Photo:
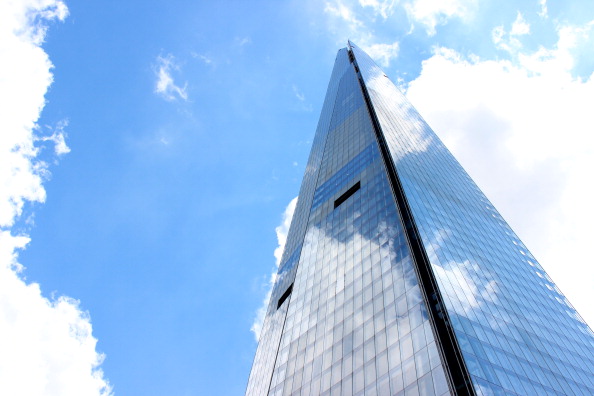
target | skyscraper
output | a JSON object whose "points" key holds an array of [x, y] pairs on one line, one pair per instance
{"points": [[399, 277]]}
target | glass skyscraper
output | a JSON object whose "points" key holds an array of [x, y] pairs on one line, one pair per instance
{"points": [[399, 277]]}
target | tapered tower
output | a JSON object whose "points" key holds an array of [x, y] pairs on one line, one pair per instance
{"points": [[399, 277]]}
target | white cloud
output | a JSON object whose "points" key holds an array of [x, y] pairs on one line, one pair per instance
{"points": [[261, 312], [58, 137], [520, 26], [47, 344], [497, 35], [523, 130], [343, 12], [345, 22], [543, 13], [357, 20], [510, 42], [283, 230], [573, 40], [431, 13], [165, 85], [281, 234]]}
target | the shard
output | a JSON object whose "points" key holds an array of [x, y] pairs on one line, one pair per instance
{"points": [[399, 277]]}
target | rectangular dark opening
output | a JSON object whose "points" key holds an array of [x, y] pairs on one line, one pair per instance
{"points": [[285, 295], [347, 194]]}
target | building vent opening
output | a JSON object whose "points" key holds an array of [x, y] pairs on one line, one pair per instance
{"points": [[347, 194], [285, 295]]}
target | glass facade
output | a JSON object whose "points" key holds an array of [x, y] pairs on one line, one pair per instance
{"points": [[351, 312]]}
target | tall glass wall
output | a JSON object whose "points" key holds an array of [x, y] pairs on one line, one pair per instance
{"points": [[355, 319], [518, 333], [347, 316], [261, 374]]}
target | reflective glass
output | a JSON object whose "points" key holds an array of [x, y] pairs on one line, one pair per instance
{"points": [[355, 321], [517, 331]]}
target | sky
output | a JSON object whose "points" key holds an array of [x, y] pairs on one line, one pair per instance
{"points": [[151, 153]]}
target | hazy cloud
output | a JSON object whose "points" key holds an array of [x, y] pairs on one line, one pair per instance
{"points": [[520, 27], [204, 58], [352, 19], [543, 13], [298, 93], [384, 8], [383, 53], [431, 13], [510, 42], [303, 105], [346, 21], [165, 85], [58, 137], [241, 41], [47, 344], [342, 11]]}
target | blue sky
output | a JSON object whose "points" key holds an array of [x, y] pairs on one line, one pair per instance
{"points": [[149, 153]]}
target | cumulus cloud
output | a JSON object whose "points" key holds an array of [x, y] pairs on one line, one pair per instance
{"points": [[47, 344], [523, 130], [165, 85], [281, 234]]}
